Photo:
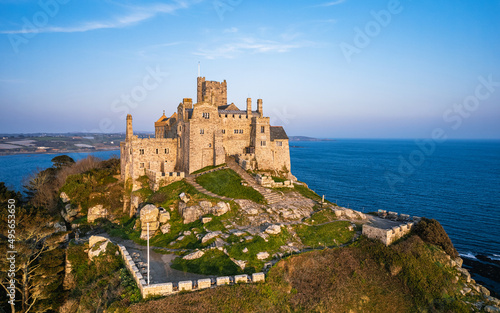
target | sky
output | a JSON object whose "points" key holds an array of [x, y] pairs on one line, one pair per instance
{"points": [[328, 69]]}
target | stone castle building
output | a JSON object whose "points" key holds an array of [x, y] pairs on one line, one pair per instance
{"points": [[202, 134]]}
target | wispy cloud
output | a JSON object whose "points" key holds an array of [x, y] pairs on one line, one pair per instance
{"points": [[133, 15], [231, 30], [251, 46], [331, 3]]}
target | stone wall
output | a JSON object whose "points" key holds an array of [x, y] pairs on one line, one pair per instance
{"points": [[267, 181], [387, 236], [188, 285], [160, 179]]}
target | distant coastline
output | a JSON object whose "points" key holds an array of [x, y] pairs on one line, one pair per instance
{"points": [[4, 153], [305, 138]]}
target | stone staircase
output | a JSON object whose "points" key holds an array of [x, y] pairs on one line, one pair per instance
{"points": [[270, 196], [199, 188]]}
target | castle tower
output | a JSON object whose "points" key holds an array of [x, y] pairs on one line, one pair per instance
{"points": [[259, 107], [200, 84], [129, 132]]}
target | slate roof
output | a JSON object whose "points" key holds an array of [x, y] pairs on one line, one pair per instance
{"points": [[277, 132]]}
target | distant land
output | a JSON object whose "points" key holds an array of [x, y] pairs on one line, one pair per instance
{"points": [[304, 138], [77, 142]]}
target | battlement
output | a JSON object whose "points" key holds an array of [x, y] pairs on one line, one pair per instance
{"points": [[212, 92]]}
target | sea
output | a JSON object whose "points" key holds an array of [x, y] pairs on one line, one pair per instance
{"points": [[456, 182]]}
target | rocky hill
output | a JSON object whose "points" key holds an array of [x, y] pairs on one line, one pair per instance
{"points": [[220, 223]]}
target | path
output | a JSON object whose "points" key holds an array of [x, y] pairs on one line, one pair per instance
{"points": [[271, 197]]}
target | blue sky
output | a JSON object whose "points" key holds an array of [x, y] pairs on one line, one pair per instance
{"points": [[337, 69]]}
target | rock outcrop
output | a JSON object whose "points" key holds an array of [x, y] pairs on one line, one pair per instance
{"points": [[195, 212], [96, 212]]}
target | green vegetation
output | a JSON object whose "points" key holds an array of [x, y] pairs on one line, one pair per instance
{"points": [[169, 195], [321, 217], [256, 245], [96, 186], [227, 183], [365, 277], [102, 283], [207, 168], [330, 234], [306, 192], [278, 179], [213, 262], [432, 232]]}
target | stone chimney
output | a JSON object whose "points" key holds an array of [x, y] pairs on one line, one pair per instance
{"points": [[259, 107], [249, 107]]}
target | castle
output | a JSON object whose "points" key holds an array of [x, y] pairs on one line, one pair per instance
{"points": [[204, 134]]}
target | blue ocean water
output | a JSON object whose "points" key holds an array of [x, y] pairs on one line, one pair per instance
{"points": [[456, 183]]}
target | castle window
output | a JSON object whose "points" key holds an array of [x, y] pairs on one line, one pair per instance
{"points": [[235, 131], [141, 165], [141, 151], [156, 151], [241, 130], [210, 145], [240, 115], [166, 151], [279, 143], [202, 131], [223, 131], [226, 115], [206, 115], [262, 129], [263, 143]]}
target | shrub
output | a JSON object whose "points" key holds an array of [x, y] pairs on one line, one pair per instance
{"points": [[432, 232]]}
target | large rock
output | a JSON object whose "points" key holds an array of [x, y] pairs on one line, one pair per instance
{"points": [[205, 205], [64, 197], [220, 209], [210, 235], [195, 255], [240, 263], [491, 309], [262, 255], [96, 212], [149, 213], [97, 245], [164, 217], [152, 226], [184, 197], [165, 228], [273, 229], [192, 213]]}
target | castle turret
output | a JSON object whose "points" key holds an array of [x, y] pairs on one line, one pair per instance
{"points": [[249, 107], [259, 107], [129, 131]]}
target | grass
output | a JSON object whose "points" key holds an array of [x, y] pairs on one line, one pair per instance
{"points": [[308, 193], [357, 278], [227, 183], [213, 262], [169, 195], [321, 216], [278, 179], [207, 168], [335, 233]]}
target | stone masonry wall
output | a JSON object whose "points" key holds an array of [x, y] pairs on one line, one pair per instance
{"points": [[165, 289], [386, 236]]}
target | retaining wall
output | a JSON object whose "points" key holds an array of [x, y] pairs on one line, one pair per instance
{"points": [[188, 285]]}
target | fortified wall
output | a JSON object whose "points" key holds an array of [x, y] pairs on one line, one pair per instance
{"points": [[388, 235], [165, 289]]}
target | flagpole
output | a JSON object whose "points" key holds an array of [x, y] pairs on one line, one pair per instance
{"points": [[148, 254]]}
